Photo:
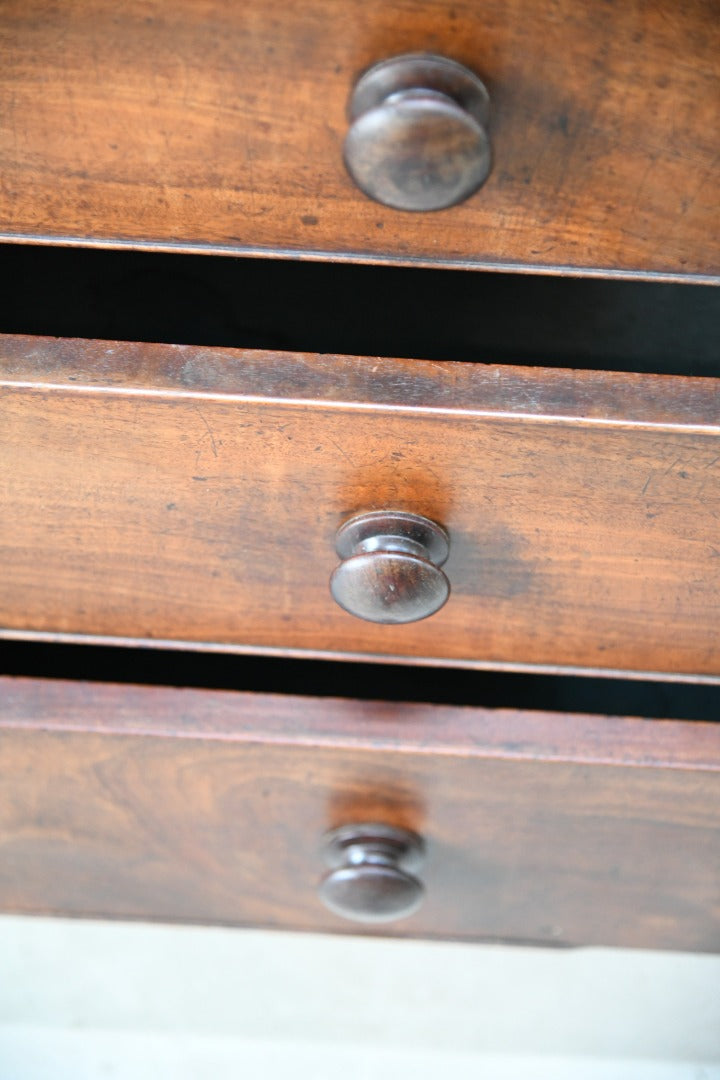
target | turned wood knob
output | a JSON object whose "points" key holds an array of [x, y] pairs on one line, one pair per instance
{"points": [[418, 138], [372, 873], [390, 571]]}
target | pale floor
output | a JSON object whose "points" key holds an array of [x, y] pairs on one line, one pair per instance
{"points": [[104, 1001]]}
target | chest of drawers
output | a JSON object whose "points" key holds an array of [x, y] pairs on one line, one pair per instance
{"points": [[188, 496]]}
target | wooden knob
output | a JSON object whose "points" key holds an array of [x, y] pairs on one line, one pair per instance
{"points": [[418, 138], [391, 567], [372, 873]]}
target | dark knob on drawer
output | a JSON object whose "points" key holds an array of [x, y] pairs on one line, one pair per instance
{"points": [[418, 138], [372, 873], [391, 567]]}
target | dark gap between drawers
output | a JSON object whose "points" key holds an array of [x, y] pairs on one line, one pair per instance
{"points": [[361, 310], [388, 682]]}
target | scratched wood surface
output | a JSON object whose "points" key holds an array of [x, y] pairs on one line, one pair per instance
{"points": [[204, 125], [179, 494], [191, 805]]}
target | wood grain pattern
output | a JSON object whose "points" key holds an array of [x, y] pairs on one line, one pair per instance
{"points": [[198, 125], [205, 806], [156, 493]]}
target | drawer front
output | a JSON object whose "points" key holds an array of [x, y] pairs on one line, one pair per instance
{"points": [[178, 494], [212, 126], [211, 806]]}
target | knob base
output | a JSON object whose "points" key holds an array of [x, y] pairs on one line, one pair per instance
{"points": [[420, 71], [393, 530], [390, 841]]}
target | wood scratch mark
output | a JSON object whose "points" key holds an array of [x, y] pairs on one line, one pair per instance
{"points": [[209, 432], [339, 447]]}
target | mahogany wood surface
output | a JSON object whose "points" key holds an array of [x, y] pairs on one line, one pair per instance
{"points": [[177, 494], [202, 125], [210, 806]]}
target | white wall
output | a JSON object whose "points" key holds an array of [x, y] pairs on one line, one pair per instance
{"points": [[90, 1001]]}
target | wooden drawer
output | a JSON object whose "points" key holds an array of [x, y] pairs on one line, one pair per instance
{"points": [[199, 125], [207, 806], [172, 494]]}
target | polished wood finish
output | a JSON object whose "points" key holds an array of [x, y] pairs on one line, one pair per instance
{"points": [[199, 125], [133, 802], [179, 494]]}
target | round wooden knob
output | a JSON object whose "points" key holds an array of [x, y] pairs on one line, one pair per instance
{"points": [[372, 873], [418, 138], [391, 567]]}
